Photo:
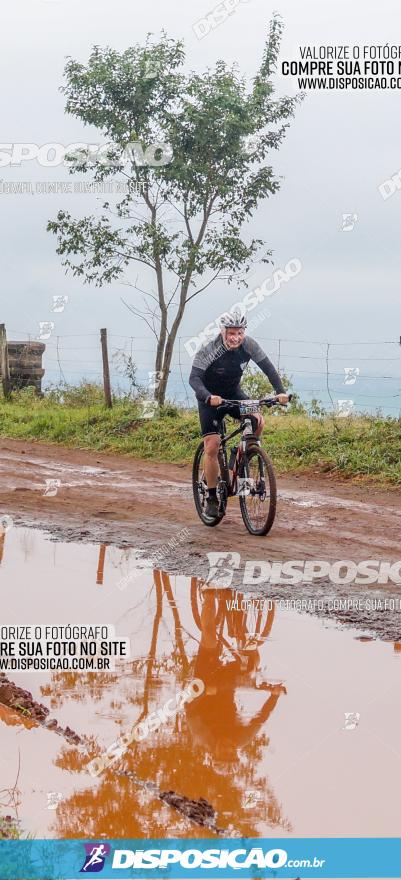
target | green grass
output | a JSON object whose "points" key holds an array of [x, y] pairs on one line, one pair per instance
{"points": [[358, 447], [9, 828]]}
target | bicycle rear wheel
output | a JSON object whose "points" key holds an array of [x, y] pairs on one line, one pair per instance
{"points": [[258, 495], [199, 488]]}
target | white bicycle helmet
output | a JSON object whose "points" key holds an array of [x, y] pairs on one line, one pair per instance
{"points": [[235, 318]]}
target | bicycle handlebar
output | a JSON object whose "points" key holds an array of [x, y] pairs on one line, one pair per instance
{"points": [[264, 401]]}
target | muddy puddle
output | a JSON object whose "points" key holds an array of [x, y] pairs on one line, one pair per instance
{"points": [[33, 472], [296, 732]]}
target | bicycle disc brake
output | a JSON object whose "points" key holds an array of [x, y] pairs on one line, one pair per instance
{"points": [[222, 496]]}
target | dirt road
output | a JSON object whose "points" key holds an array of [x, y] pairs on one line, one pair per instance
{"points": [[114, 499]]}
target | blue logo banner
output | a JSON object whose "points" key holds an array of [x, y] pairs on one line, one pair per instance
{"points": [[225, 858]]}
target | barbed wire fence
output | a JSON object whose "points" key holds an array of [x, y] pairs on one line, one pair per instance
{"points": [[367, 371]]}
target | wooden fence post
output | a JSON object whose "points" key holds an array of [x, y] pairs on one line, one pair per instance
{"points": [[4, 366], [106, 369], [100, 565]]}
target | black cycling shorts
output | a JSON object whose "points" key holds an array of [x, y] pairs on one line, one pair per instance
{"points": [[209, 417]]}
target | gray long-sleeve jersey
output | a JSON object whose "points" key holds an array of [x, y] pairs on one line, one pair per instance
{"points": [[218, 370]]}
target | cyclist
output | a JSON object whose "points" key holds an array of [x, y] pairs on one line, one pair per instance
{"points": [[216, 374]]}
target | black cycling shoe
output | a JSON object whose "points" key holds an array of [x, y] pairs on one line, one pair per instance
{"points": [[212, 508]]}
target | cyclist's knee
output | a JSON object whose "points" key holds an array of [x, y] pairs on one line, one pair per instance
{"points": [[212, 443], [259, 424]]}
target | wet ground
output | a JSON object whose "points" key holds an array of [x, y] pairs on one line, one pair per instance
{"points": [[296, 732], [82, 496], [116, 500]]}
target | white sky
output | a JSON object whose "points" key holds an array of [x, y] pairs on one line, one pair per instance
{"points": [[339, 148]]}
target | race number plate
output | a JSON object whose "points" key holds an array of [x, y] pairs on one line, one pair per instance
{"points": [[248, 407]]}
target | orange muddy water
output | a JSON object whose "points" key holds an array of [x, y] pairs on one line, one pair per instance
{"points": [[297, 731]]}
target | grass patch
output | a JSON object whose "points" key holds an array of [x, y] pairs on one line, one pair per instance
{"points": [[9, 828], [359, 447]]}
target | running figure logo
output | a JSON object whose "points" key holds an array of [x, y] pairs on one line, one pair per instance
{"points": [[221, 568], [96, 854]]}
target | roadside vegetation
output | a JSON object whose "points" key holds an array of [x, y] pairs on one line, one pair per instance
{"points": [[9, 828], [300, 439]]}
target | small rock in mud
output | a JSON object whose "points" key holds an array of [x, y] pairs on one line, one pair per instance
{"points": [[23, 703], [200, 811]]}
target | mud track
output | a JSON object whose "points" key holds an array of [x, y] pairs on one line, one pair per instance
{"points": [[128, 502]]}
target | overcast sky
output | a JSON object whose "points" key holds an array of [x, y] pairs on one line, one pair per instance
{"points": [[339, 148]]}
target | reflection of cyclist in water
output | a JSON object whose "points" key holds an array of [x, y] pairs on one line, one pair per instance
{"points": [[213, 718]]}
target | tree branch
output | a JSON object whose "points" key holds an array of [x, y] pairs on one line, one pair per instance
{"points": [[140, 315], [201, 289]]}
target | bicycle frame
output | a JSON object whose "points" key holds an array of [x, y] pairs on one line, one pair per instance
{"points": [[224, 469], [226, 437]]}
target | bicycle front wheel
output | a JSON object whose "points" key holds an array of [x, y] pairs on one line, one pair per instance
{"points": [[258, 491]]}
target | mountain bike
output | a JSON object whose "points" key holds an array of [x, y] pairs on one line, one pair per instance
{"points": [[248, 473]]}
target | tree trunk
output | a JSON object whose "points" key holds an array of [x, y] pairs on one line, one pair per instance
{"points": [[165, 346], [159, 355], [160, 394], [161, 342]]}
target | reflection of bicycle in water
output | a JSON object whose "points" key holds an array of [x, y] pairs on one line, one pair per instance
{"points": [[247, 621]]}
